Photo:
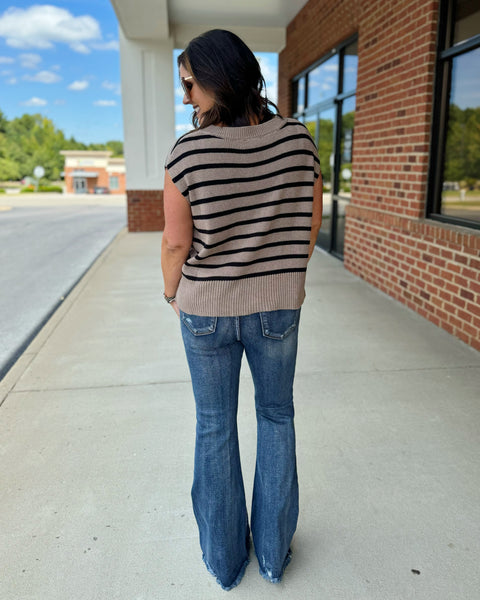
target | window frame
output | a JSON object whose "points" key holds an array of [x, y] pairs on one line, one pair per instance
{"points": [[446, 52], [336, 102], [116, 180]]}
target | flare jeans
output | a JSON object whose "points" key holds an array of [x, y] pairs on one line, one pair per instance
{"points": [[214, 348]]}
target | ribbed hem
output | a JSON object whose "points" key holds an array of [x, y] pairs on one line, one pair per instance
{"points": [[282, 291]]}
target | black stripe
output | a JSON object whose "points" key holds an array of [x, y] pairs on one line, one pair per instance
{"points": [[183, 138], [264, 274], [251, 221], [192, 138], [254, 248], [194, 135], [268, 190], [260, 163], [255, 150], [246, 236], [247, 263], [251, 207], [268, 175]]}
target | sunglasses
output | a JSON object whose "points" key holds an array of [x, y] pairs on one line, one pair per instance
{"points": [[186, 85]]}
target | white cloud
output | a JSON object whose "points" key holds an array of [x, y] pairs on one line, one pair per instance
{"points": [[269, 67], [269, 71], [181, 108], [34, 102], [113, 87], [43, 77], [80, 48], [12, 81], [59, 102], [78, 86], [29, 61], [40, 26], [105, 103], [112, 45], [183, 128], [6, 60]]}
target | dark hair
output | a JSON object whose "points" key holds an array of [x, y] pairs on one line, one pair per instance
{"points": [[225, 67]]}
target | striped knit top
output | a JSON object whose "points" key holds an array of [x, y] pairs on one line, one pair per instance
{"points": [[250, 191]]}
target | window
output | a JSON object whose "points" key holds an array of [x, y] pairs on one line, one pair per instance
{"points": [[324, 99], [454, 191], [323, 81], [114, 182]]}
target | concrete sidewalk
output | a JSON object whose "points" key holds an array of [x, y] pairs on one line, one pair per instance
{"points": [[97, 432]]}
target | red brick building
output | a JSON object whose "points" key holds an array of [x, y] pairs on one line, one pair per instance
{"points": [[86, 171], [394, 222]]}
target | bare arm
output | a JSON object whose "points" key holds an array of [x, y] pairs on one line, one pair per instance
{"points": [[177, 236], [316, 213]]}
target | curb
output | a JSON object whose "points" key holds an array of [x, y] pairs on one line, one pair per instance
{"points": [[24, 355]]}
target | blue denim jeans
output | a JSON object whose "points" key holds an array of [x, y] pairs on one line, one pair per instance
{"points": [[214, 347]]}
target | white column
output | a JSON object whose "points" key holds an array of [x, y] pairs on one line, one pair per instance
{"points": [[148, 110]]}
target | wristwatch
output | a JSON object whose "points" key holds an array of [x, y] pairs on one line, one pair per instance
{"points": [[169, 299]]}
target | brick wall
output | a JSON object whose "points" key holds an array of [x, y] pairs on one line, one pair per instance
{"points": [[103, 179], [121, 182], [145, 210], [317, 28], [431, 267]]}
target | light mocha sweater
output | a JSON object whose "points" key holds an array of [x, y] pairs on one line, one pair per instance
{"points": [[250, 191]]}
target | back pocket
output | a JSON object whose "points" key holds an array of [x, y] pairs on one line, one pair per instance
{"points": [[279, 324], [199, 325]]}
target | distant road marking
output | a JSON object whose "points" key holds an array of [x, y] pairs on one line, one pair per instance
{"points": [[5, 208]]}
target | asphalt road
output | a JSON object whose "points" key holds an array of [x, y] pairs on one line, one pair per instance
{"points": [[46, 245]]}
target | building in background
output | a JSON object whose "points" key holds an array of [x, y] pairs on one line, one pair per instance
{"points": [[391, 94], [93, 171]]}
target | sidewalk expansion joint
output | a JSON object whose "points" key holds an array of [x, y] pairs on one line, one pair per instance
{"points": [[97, 387], [380, 370]]}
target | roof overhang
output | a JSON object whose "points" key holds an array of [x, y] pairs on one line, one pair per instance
{"points": [[262, 25], [86, 153]]}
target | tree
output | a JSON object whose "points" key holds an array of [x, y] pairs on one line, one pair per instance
{"points": [[462, 152], [32, 140], [116, 147], [3, 123], [9, 170]]}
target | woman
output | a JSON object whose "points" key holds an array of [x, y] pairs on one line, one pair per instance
{"points": [[243, 204]]}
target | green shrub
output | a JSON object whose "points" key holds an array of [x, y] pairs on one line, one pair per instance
{"points": [[50, 188], [2, 191], [42, 188]]}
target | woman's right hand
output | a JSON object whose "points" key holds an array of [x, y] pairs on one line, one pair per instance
{"points": [[174, 305]]}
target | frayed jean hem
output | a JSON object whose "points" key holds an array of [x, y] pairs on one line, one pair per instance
{"points": [[268, 575], [227, 588]]}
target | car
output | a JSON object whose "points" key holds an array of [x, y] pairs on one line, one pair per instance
{"points": [[100, 190]]}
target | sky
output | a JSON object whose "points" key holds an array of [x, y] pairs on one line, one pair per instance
{"points": [[62, 60]]}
